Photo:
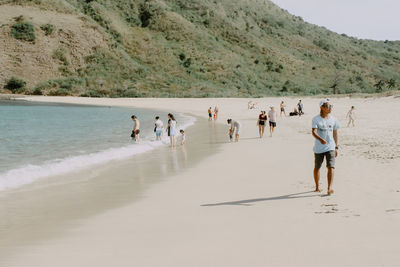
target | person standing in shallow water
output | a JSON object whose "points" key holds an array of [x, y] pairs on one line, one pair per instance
{"points": [[209, 114], [325, 131], [215, 113], [158, 128], [172, 129], [136, 131]]}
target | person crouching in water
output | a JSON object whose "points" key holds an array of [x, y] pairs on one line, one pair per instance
{"points": [[136, 131], [183, 136], [235, 127]]}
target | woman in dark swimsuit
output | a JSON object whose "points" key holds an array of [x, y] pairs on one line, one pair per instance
{"points": [[262, 119]]}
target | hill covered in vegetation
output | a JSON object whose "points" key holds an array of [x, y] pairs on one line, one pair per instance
{"points": [[182, 48]]}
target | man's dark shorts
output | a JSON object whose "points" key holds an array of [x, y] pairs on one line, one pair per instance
{"points": [[272, 123], [330, 159]]}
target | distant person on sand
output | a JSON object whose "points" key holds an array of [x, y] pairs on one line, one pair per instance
{"points": [[135, 131], [209, 114], [262, 121], [325, 131], [282, 106], [172, 129], [249, 104], [235, 128], [215, 113], [294, 112], [272, 120], [300, 108], [158, 128], [351, 115], [183, 136]]}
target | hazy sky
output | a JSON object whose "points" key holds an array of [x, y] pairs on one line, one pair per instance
{"points": [[366, 19]]}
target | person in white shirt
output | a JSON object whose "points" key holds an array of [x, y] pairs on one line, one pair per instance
{"points": [[272, 120], [235, 128], [325, 131], [159, 126]]}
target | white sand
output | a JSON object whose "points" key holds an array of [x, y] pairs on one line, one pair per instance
{"points": [[252, 204]]}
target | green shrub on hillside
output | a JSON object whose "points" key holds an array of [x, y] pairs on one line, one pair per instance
{"points": [[23, 31], [15, 85], [322, 44], [59, 54], [91, 11], [59, 87], [48, 28], [37, 91]]}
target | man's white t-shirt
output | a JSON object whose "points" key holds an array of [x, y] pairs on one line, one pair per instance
{"points": [[272, 115], [325, 128], [159, 124]]}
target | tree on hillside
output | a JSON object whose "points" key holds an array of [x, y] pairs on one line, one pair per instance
{"points": [[391, 83], [379, 86], [335, 82]]}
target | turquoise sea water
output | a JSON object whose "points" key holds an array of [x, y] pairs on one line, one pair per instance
{"points": [[39, 140]]}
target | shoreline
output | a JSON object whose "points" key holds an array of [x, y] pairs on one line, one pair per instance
{"points": [[55, 204], [100, 152], [252, 202]]}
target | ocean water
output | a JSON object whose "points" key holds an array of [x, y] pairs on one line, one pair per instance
{"points": [[39, 140]]}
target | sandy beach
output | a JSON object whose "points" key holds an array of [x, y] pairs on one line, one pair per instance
{"points": [[249, 203]]}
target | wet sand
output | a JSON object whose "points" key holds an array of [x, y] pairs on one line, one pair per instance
{"points": [[51, 206]]}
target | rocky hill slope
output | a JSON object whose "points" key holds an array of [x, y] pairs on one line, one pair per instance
{"points": [[182, 48]]}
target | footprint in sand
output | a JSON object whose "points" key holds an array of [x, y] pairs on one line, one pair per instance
{"points": [[328, 208], [393, 210]]}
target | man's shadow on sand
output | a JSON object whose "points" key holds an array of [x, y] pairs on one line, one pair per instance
{"points": [[247, 202]]}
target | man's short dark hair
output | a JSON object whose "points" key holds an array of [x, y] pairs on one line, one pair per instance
{"points": [[157, 117], [229, 120], [133, 117]]}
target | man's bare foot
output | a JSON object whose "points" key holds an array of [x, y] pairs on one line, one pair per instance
{"points": [[330, 191], [317, 190]]}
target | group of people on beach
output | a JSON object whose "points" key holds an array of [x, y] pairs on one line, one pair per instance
{"points": [[262, 121], [171, 130], [324, 130], [297, 110]]}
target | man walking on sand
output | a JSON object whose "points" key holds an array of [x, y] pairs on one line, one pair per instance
{"points": [[325, 131], [272, 120]]}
